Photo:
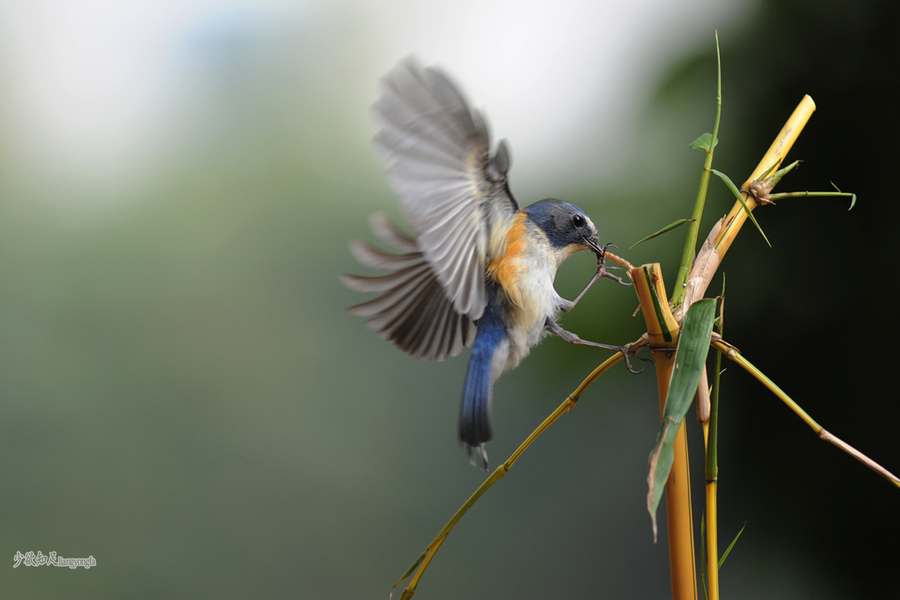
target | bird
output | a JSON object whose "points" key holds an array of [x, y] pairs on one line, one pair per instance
{"points": [[479, 269]]}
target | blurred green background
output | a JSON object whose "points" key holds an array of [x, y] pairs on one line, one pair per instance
{"points": [[184, 398]]}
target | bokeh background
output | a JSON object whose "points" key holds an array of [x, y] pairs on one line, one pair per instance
{"points": [[184, 398]]}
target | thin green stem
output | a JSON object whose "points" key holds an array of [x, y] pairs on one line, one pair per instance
{"points": [[712, 470], [690, 243], [784, 195], [712, 467]]}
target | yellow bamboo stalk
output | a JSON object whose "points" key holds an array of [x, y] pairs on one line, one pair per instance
{"points": [[711, 469], [713, 250], [768, 165], [662, 331], [712, 539]]}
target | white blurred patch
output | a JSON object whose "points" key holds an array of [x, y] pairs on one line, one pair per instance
{"points": [[92, 95]]}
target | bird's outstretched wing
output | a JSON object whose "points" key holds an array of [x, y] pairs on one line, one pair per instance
{"points": [[437, 153], [413, 310]]}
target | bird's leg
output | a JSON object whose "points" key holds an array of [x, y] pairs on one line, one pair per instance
{"points": [[601, 266], [626, 350], [568, 305]]}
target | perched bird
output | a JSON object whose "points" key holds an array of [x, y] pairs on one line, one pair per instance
{"points": [[480, 269]]}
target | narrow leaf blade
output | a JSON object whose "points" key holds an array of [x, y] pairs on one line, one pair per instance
{"points": [[740, 198], [730, 546], [693, 346], [661, 460], [852, 197], [665, 229]]}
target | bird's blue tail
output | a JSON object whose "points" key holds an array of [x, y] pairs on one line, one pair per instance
{"points": [[475, 413]]}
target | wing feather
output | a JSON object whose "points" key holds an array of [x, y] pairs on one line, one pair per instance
{"points": [[388, 232], [413, 310], [437, 153]]}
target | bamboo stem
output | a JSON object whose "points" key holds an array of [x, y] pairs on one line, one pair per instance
{"points": [[712, 471], [723, 233], [690, 243], [769, 164], [663, 330], [712, 539]]}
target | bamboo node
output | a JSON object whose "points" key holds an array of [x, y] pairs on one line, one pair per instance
{"points": [[760, 191]]}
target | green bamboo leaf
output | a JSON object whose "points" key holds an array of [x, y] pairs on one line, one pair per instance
{"points": [[693, 346], [730, 546], [776, 177], [704, 143], [852, 198], [765, 173], [665, 229], [661, 460], [410, 570], [740, 197]]}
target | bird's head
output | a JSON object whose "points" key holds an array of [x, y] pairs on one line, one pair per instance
{"points": [[567, 227]]}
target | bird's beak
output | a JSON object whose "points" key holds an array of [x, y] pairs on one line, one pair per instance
{"points": [[594, 244]]}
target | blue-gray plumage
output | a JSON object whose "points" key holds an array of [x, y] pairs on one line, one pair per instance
{"points": [[480, 269]]}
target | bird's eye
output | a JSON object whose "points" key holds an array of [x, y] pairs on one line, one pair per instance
{"points": [[578, 221]]}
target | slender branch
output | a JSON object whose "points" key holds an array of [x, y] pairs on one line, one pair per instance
{"points": [[783, 195], [732, 353], [421, 563]]}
